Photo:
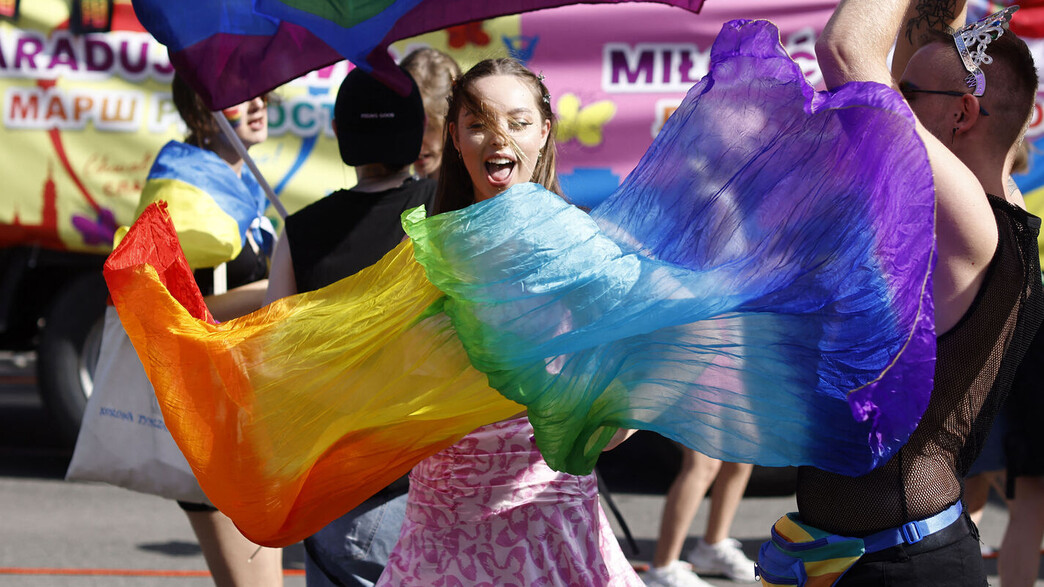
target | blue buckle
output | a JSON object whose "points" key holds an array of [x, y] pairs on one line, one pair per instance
{"points": [[911, 533]]}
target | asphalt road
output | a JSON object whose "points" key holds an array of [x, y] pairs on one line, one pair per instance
{"points": [[57, 533]]}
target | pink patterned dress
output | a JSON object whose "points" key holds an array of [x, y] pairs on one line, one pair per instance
{"points": [[488, 511]]}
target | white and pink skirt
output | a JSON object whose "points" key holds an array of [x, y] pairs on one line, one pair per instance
{"points": [[488, 511]]}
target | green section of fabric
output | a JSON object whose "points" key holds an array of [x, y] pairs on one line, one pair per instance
{"points": [[346, 13]]}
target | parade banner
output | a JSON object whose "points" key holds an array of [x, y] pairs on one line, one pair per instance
{"points": [[616, 72], [84, 115]]}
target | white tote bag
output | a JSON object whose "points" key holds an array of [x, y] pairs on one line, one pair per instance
{"points": [[123, 440]]}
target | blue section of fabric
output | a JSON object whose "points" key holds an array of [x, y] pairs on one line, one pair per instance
{"points": [[353, 43], [182, 24]]}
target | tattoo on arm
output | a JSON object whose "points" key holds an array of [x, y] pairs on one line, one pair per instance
{"points": [[1012, 186], [931, 15]]}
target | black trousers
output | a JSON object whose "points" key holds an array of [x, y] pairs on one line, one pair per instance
{"points": [[948, 558]]}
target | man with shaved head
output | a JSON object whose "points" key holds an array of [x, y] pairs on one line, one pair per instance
{"points": [[972, 91]]}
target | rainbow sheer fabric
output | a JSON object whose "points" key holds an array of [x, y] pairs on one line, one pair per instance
{"points": [[296, 413], [759, 288]]}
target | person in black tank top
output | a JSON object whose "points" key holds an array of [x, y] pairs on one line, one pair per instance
{"points": [[379, 133], [987, 287]]}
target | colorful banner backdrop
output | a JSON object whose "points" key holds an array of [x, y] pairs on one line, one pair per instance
{"points": [[83, 117], [614, 84]]}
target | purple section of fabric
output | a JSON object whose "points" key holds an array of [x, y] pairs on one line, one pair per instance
{"points": [[878, 164], [227, 69]]}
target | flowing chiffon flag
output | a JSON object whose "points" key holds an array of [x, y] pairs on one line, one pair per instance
{"points": [[232, 50], [759, 289], [300, 415]]}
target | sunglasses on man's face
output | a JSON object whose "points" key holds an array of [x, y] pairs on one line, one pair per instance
{"points": [[908, 88]]}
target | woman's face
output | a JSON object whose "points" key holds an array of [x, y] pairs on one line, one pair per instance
{"points": [[430, 158], [249, 120], [491, 162]]}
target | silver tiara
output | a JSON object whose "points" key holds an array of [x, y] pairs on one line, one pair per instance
{"points": [[971, 41]]}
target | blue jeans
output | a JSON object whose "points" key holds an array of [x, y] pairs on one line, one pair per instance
{"points": [[353, 549]]}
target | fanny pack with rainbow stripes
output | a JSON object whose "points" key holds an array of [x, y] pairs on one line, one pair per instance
{"points": [[799, 554]]}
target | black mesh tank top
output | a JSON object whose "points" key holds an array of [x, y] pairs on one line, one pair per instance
{"points": [[975, 365]]}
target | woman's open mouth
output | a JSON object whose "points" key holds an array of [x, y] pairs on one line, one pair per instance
{"points": [[499, 170]]}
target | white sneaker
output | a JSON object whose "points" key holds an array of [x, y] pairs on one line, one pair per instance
{"points": [[676, 574], [724, 558]]}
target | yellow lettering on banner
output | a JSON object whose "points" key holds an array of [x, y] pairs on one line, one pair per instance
{"points": [[21, 110], [116, 114], [81, 105], [55, 108]]}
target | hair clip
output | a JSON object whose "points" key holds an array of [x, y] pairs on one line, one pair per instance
{"points": [[547, 98], [540, 77], [972, 40]]}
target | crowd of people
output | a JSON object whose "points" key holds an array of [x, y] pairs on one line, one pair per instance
{"points": [[490, 511]]}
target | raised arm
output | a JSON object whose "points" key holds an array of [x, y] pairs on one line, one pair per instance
{"points": [[854, 47], [919, 20]]}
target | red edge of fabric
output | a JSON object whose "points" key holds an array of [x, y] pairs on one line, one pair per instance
{"points": [[153, 241]]}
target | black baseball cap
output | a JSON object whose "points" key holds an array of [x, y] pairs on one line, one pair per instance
{"points": [[377, 125]]}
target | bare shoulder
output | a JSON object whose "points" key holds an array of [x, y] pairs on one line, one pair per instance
{"points": [[966, 233]]}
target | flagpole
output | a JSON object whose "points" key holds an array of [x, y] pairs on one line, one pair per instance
{"points": [[237, 144]]}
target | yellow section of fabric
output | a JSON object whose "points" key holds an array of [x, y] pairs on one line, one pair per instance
{"points": [[208, 236]]}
